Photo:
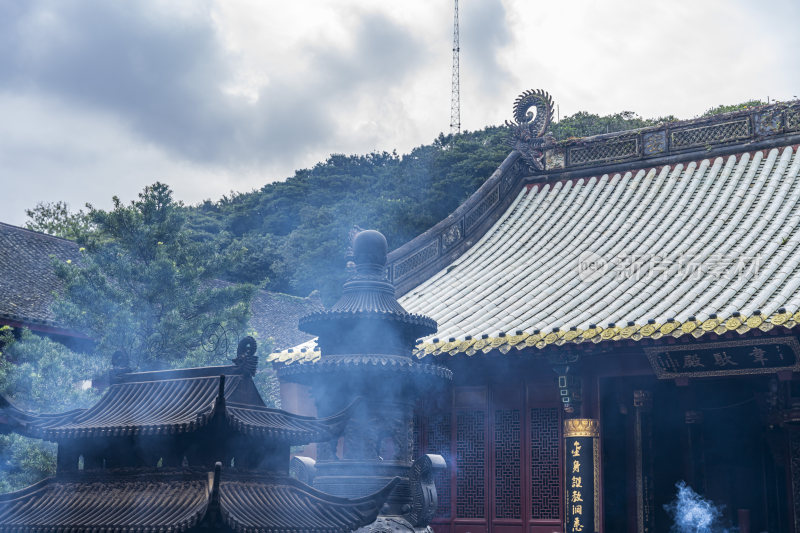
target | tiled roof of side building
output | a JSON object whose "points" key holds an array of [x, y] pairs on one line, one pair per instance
{"points": [[27, 276], [275, 315]]}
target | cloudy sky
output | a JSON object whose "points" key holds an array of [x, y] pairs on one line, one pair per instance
{"points": [[100, 98]]}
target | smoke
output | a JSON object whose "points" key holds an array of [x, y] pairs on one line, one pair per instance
{"points": [[691, 513]]}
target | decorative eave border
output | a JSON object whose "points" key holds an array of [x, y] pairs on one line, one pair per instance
{"points": [[740, 131], [521, 340], [635, 332]]}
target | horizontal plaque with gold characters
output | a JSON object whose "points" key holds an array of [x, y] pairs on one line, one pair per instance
{"points": [[728, 358]]}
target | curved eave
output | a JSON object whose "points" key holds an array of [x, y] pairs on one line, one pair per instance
{"points": [[15, 420], [106, 505], [126, 409], [276, 424], [48, 327], [179, 501], [293, 507], [186, 405]]}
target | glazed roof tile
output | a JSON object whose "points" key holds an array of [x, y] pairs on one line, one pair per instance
{"points": [[688, 248], [674, 247]]}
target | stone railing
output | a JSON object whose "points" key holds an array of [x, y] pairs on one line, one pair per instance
{"points": [[675, 138]]}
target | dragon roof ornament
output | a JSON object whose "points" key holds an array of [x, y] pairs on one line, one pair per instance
{"points": [[529, 135]]}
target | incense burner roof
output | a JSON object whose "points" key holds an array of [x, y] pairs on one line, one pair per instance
{"points": [[368, 307], [180, 500], [174, 402]]}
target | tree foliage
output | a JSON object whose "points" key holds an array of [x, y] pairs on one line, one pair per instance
{"points": [[289, 236], [55, 218], [718, 110], [294, 232], [40, 375], [584, 124], [144, 287]]}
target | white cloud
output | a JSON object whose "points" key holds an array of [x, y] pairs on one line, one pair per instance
{"points": [[50, 152], [103, 98]]}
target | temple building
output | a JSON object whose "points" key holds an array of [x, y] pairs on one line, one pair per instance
{"points": [[181, 450], [620, 315]]}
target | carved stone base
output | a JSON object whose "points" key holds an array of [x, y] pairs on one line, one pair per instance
{"points": [[392, 524]]}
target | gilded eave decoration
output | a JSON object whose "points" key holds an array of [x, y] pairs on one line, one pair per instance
{"points": [[521, 340], [652, 330]]}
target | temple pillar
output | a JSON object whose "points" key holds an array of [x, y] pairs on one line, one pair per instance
{"points": [[793, 433], [582, 511], [695, 474], [643, 445]]}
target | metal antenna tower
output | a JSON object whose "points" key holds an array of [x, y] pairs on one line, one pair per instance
{"points": [[455, 91]]}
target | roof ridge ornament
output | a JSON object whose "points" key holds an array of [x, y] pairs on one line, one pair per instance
{"points": [[246, 359], [529, 135]]}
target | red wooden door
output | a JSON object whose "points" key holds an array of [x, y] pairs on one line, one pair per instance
{"points": [[502, 447]]}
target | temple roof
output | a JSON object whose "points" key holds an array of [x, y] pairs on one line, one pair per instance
{"points": [[173, 402], [657, 243], [680, 229], [179, 500]]}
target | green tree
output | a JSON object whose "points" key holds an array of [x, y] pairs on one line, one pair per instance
{"points": [[306, 218], [146, 288], [55, 218], [40, 375], [584, 124], [718, 110]]}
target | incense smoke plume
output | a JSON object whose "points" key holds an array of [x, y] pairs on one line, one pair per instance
{"points": [[691, 513]]}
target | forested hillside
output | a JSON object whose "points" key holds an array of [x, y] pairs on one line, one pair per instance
{"points": [[292, 234]]}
